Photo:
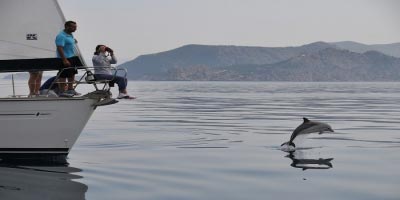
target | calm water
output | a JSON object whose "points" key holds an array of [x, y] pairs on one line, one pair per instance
{"points": [[220, 140]]}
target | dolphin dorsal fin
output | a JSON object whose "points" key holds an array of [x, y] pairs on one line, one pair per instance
{"points": [[305, 120]]}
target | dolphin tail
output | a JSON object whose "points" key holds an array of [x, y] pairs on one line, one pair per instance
{"points": [[328, 162]]}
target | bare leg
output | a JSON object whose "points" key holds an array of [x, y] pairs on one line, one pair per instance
{"points": [[61, 84], [71, 82], [38, 82], [31, 83], [35, 79], [123, 91], [125, 95]]}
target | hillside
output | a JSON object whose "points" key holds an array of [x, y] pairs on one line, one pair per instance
{"points": [[313, 62], [388, 49], [327, 65]]}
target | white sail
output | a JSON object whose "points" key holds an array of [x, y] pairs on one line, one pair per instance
{"points": [[28, 33]]}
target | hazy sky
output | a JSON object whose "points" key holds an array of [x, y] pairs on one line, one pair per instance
{"points": [[136, 27]]}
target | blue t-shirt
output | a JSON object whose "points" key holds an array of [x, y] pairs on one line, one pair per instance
{"points": [[67, 41]]}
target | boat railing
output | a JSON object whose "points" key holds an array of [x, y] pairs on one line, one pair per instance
{"points": [[85, 76], [89, 77]]}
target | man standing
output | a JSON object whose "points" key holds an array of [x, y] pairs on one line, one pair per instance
{"points": [[65, 43]]}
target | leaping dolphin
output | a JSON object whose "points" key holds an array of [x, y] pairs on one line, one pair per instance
{"points": [[307, 127]]}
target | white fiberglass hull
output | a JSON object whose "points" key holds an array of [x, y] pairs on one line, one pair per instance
{"points": [[42, 126]]}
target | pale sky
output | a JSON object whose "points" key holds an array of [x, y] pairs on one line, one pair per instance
{"points": [[137, 27]]}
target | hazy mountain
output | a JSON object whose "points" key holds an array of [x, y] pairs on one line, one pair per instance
{"points": [[17, 76], [389, 49], [154, 66], [326, 65], [313, 62]]}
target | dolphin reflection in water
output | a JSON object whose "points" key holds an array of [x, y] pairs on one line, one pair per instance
{"points": [[307, 127], [303, 163]]}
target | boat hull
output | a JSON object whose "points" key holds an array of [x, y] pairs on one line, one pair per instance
{"points": [[32, 127]]}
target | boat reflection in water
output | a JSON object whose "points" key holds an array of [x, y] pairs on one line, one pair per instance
{"points": [[44, 180], [300, 161]]}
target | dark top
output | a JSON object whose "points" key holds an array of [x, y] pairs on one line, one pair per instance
{"points": [[46, 85]]}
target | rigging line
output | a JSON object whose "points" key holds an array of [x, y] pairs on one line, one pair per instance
{"points": [[27, 45]]}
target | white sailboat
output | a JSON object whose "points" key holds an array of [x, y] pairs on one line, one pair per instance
{"points": [[40, 126]]}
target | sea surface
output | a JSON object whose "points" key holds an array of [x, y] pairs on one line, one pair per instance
{"points": [[221, 140]]}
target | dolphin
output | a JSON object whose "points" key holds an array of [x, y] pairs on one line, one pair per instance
{"points": [[307, 127]]}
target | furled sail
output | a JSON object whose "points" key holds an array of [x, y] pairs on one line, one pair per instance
{"points": [[27, 35]]}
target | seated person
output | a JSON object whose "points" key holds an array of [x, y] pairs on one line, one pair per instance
{"points": [[54, 90], [102, 60]]}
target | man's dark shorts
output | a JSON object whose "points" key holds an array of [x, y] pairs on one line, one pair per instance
{"points": [[66, 72]]}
